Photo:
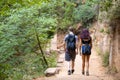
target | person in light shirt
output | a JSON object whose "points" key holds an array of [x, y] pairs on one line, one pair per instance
{"points": [[70, 53]]}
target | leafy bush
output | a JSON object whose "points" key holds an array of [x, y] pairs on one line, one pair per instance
{"points": [[105, 5], [84, 14], [22, 23], [18, 31], [104, 57], [52, 59], [31, 67], [102, 30], [4, 71], [115, 11]]}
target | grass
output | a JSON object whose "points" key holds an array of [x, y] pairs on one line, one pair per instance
{"points": [[52, 59], [112, 70], [105, 59], [102, 30], [98, 51], [104, 56]]}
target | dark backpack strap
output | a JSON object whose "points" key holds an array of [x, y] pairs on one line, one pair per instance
{"points": [[69, 35], [71, 42]]}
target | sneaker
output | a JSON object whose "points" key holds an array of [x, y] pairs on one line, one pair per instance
{"points": [[69, 72], [83, 73], [72, 71], [87, 73]]}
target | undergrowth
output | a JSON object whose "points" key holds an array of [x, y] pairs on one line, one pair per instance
{"points": [[104, 57], [25, 67]]}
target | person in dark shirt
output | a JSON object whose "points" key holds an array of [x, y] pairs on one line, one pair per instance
{"points": [[85, 44]]}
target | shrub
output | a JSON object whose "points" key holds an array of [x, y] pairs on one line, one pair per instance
{"points": [[105, 59]]}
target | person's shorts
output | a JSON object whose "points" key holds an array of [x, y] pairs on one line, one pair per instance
{"points": [[70, 55], [86, 50]]}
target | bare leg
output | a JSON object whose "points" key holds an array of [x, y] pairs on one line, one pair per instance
{"points": [[87, 71], [69, 65], [83, 64], [73, 64]]}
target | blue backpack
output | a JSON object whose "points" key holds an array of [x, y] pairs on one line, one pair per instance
{"points": [[86, 49], [71, 42]]}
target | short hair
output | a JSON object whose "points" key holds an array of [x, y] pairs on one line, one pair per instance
{"points": [[71, 28]]}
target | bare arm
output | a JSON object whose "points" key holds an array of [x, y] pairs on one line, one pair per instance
{"points": [[80, 44], [77, 47], [91, 43], [61, 45]]}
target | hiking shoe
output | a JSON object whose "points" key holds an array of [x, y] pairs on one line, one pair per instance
{"points": [[69, 72], [83, 73], [87, 73], [72, 71]]}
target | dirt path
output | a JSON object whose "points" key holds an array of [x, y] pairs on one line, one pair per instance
{"points": [[97, 71]]}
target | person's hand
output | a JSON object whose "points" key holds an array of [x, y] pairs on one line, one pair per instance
{"points": [[57, 47], [65, 49]]}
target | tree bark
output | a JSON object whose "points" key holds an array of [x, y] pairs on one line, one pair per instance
{"points": [[39, 44]]}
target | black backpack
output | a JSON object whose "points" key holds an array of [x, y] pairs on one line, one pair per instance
{"points": [[71, 42]]}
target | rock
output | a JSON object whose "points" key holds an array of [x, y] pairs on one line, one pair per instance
{"points": [[59, 65], [62, 56], [51, 72], [60, 60]]}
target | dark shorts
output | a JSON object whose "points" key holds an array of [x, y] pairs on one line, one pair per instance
{"points": [[86, 53], [70, 55]]}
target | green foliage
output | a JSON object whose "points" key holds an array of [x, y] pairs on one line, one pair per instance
{"points": [[105, 31], [63, 11], [52, 59], [102, 30], [18, 35], [4, 71], [105, 5], [18, 38], [84, 14], [115, 11], [112, 70], [98, 51], [105, 59], [92, 2], [31, 67], [21, 21]]}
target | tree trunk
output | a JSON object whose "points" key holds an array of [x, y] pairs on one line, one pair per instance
{"points": [[39, 44]]}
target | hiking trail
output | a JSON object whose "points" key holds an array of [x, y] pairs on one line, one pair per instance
{"points": [[96, 70]]}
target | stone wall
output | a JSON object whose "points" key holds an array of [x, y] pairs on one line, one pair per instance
{"points": [[115, 46], [102, 37], [108, 41], [108, 34]]}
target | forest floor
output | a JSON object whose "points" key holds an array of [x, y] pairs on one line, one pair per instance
{"points": [[97, 71]]}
